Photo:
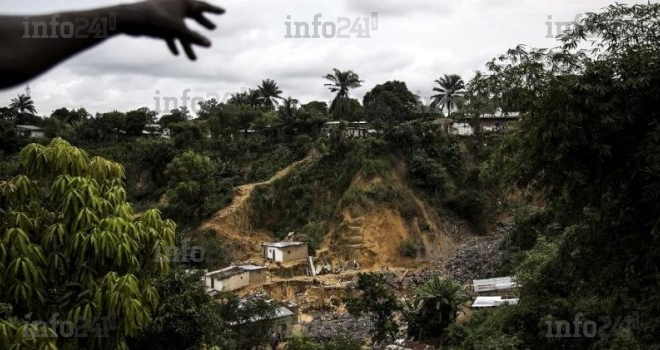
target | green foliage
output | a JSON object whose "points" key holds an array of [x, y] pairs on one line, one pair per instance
{"points": [[192, 190], [9, 141], [434, 307], [269, 93], [176, 116], [449, 91], [186, 135], [71, 246], [240, 316], [305, 199], [389, 104], [486, 330], [408, 249], [136, 121], [341, 342], [376, 298], [187, 316], [437, 167], [341, 83], [588, 143]]}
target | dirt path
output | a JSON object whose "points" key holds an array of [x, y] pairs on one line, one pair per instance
{"points": [[231, 222]]}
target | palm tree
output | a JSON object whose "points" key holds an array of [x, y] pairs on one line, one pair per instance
{"points": [[341, 83], [434, 307], [451, 88], [269, 92], [23, 103], [287, 115], [251, 98]]}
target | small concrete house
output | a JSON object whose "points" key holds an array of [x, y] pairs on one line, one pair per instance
{"points": [[30, 131], [235, 277], [285, 251]]}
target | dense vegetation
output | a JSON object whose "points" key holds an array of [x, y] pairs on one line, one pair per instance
{"points": [[78, 232], [589, 144]]}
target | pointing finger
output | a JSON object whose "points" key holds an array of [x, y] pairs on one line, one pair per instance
{"points": [[189, 51], [172, 46], [204, 21], [194, 37], [202, 6]]}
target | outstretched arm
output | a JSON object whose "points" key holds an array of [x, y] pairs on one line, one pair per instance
{"points": [[31, 45]]}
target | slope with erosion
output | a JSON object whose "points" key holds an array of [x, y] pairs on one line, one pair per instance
{"points": [[233, 222], [357, 207]]}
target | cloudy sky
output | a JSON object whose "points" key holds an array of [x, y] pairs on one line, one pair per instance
{"points": [[416, 41]]}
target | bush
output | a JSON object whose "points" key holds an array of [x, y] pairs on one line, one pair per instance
{"points": [[408, 249]]}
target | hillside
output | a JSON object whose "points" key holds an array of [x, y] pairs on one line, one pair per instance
{"points": [[363, 207]]}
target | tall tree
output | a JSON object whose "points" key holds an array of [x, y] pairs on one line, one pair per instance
{"points": [[23, 105], [341, 83], [136, 120], [286, 115], [588, 143], [450, 88], [378, 299], [71, 249], [434, 307], [269, 93], [389, 104]]}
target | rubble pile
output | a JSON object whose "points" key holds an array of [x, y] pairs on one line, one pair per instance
{"points": [[326, 326], [411, 280], [478, 258], [402, 344]]}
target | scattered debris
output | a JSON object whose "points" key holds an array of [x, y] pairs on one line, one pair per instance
{"points": [[478, 258]]}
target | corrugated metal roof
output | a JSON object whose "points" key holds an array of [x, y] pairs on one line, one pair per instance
{"points": [[226, 272], [280, 312], [493, 301], [233, 271], [283, 244], [492, 284], [29, 127]]}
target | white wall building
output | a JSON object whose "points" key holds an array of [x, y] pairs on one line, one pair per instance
{"points": [[30, 131], [234, 277], [285, 251]]}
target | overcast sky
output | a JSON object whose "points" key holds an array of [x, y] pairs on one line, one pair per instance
{"points": [[416, 41]]}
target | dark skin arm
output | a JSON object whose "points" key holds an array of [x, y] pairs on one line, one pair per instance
{"points": [[24, 58]]}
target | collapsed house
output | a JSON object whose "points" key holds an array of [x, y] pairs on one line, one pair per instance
{"points": [[502, 287], [481, 302], [234, 277], [499, 284], [283, 318]]}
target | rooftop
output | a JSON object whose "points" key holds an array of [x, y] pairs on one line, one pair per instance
{"points": [[28, 127], [284, 244], [491, 284], [233, 271], [493, 301], [279, 313]]}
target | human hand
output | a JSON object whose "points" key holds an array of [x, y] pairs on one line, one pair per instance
{"points": [[164, 19]]}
